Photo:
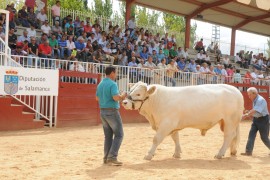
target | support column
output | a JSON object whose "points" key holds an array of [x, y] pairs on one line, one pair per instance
{"points": [[233, 41], [187, 33], [128, 10]]}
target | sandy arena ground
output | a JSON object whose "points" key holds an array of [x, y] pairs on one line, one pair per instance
{"points": [[76, 153]]}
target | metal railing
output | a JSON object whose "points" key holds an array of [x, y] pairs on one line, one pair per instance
{"points": [[43, 106], [127, 74]]}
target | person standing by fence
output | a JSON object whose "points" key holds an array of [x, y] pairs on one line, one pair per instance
{"points": [[260, 123], [108, 97]]}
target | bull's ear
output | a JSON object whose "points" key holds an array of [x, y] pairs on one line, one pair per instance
{"points": [[151, 90]]}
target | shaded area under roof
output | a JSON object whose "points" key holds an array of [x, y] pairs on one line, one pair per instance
{"points": [[228, 13]]}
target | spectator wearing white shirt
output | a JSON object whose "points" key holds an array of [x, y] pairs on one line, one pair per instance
{"points": [[200, 58], [131, 23], [31, 31], [45, 28], [41, 17], [40, 5], [24, 37], [133, 70], [108, 53]]}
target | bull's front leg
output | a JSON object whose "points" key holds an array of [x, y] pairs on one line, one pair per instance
{"points": [[156, 141], [177, 151]]}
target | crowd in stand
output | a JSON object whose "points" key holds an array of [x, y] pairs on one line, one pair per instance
{"points": [[80, 40]]}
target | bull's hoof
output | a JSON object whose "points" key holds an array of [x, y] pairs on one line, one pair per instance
{"points": [[233, 153], [148, 157], [176, 156], [218, 156]]}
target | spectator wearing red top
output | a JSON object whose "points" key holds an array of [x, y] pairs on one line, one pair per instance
{"points": [[199, 46], [30, 4], [88, 29], [45, 51], [11, 17]]}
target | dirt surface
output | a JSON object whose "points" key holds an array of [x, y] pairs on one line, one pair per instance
{"points": [[76, 153]]}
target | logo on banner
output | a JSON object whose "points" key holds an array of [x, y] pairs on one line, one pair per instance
{"points": [[11, 82]]}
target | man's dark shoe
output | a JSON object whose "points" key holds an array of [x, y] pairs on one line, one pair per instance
{"points": [[105, 161], [114, 162], [246, 154]]}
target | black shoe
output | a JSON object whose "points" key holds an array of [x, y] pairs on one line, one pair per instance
{"points": [[105, 161], [114, 162], [246, 154]]}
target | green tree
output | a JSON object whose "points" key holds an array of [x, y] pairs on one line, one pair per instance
{"points": [[122, 6], [176, 25], [79, 5], [103, 8]]}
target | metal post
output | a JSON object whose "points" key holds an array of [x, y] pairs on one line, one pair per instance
{"points": [[38, 107], [55, 110], [6, 35], [51, 110]]}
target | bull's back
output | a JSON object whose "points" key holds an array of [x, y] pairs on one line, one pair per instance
{"points": [[198, 105]]}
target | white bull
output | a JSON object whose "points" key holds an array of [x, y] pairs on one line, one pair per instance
{"points": [[170, 109]]}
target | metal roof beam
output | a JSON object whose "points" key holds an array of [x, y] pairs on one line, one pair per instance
{"points": [[251, 19], [208, 6]]}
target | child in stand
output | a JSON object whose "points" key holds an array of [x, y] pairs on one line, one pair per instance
{"points": [[237, 76]]}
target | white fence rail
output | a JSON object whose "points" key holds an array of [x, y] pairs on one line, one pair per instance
{"points": [[43, 106], [128, 74]]}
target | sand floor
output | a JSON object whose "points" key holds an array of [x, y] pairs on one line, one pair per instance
{"points": [[76, 153]]}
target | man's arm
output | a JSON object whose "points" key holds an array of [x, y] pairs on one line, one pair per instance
{"points": [[120, 97]]}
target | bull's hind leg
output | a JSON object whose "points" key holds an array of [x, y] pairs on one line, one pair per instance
{"points": [[229, 134], [235, 142], [158, 138], [177, 151]]}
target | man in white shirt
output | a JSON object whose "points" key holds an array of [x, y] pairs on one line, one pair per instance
{"points": [[200, 58], [131, 23], [46, 29], [107, 50], [41, 17], [31, 31], [70, 45], [24, 37], [40, 5]]}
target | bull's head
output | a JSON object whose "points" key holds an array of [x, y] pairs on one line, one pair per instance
{"points": [[139, 92]]}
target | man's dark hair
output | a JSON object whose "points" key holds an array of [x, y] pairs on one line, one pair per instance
{"points": [[109, 70]]}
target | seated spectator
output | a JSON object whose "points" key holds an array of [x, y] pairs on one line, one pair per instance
{"points": [[108, 53], [200, 58], [31, 31], [77, 23], [160, 56], [133, 70], [41, 17], [192, 66], [210, 48], [32, 52], [102, 42], [84, 37], [80, 48], [88, 29], [204, 69], [32, 18], [44, 50], [148, 73], [144, 54], [151, 48], [24, 37], [226, 61], [207, 59], [12, 39], [54, 45], [25, 47], [18, 52], [57, 30], [123, 59], [237, 77], [97, 55], [170, 72], [23, 17], [182, 65], [62, 43], [131, 23], [180, 52], [45, 28], [70, 45], [166, 52], [2, 19], [79, 30], [218, 69], [68, 24], [173, 52], [155, 58], [70, 32], [44, 37], [186, 55], [92, 37], [199, 46]]}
